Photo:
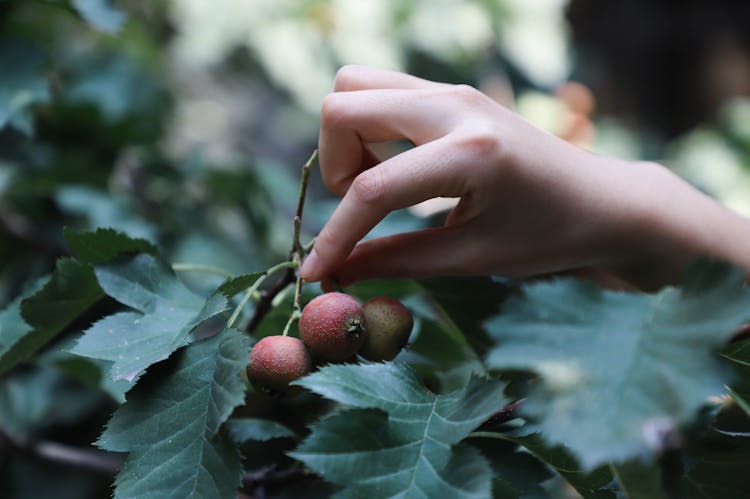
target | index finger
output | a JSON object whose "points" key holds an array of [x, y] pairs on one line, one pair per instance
{"points": [[350, 120]]}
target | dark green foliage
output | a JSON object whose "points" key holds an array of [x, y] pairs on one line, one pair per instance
{"points": [[122, 259]]}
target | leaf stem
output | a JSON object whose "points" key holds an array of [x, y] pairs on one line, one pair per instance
{"points": [[252, 289], [196, 267]]}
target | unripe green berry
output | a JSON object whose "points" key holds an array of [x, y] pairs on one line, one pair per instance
{"points": [[332, 326], [275, 361], [389, 325]]}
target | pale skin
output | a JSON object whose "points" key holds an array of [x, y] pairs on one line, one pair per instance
{"points": [[531, 204]]}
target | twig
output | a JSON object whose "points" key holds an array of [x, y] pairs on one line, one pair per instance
{"points": [[296, 255], [266, 297], [252, 289], [76, 457]]}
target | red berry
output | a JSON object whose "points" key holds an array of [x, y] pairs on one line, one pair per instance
{"points": [[332, 326], [275, 361], [389, 325]]}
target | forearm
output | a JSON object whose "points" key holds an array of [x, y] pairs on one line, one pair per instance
{"points": [[672, 224]]}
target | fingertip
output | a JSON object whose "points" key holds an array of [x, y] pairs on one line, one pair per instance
{"points": [[311, 267]]}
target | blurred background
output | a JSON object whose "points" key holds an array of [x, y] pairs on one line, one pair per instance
{"points": [[186, 122]]}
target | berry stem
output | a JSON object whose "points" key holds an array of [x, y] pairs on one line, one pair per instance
{"points": [[252, 289], [293, 317]]}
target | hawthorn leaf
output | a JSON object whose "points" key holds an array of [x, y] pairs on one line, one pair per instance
{"points": [[639, 479], [590, 484], [170, 423], [408, 447], [165, 312], [244, 429], [232, 286], [517, 473], [34, 319], [104, 245], [629, 368]]}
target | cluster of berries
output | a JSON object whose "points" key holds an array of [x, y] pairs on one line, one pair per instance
{"points": [[333, 327]]}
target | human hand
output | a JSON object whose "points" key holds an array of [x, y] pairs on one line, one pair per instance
{"points": [[530, 203]]}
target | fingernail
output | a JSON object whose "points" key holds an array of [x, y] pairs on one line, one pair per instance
{"points": [[310, 266]]}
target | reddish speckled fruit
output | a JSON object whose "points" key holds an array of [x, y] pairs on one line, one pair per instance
{"points": [[332, 326], [275, 361], [389, 325]]}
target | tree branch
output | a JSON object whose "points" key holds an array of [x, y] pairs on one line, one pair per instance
{"points": [[67, 455]]}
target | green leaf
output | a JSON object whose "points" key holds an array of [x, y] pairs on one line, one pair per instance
{"points": [[29, 324], [32, 400], [517, 473], [590, 484], [102, 209], [170, 423], [91, 372], [13, 328], [738, 351], [716, 467], [104, 245], [165, 314], [23, 87], [467, 302], [629, 368], [100, 14], [232, 286], [412, 447], [244, 429], [639, 480]]}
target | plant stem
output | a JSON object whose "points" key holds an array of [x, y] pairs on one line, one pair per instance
{"points": [[265, 302], [196, 267], [293, 317], [252, 289], [296, 245], [297, 253], [76, 457]]}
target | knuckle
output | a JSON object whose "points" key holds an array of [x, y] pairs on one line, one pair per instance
{"points": [[467, 94], [346, 77], [369, 187], [480, 143], [333, 110]]}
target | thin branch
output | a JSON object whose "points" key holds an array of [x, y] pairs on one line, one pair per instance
{"points": [[76, 457], [252, 289], [266, 297], [296, 245]]}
